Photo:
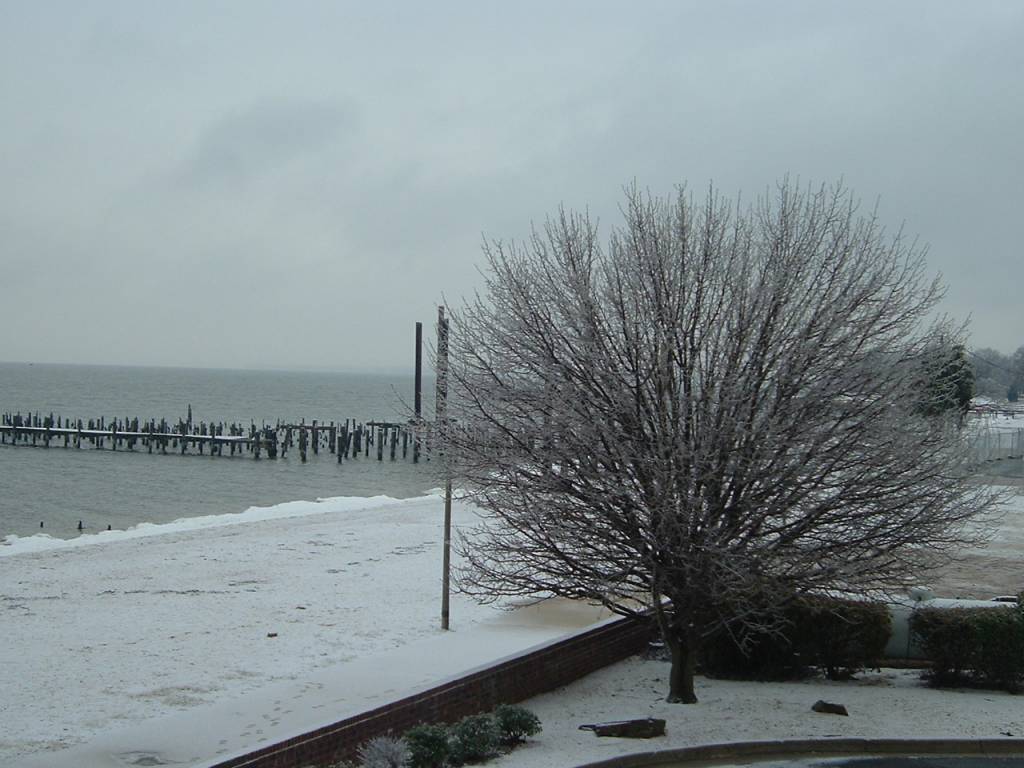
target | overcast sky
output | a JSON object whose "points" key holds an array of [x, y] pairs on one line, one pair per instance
{"points": [[294, 184]]}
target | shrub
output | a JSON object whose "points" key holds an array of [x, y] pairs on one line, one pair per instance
{"points": [[999, 660], [752, 655], [472, 739], [946, 635], [839, 636], [384, 752], [983, 646], [515, 724], [428, 746]]}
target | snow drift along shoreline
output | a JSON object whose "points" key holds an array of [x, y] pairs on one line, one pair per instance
{"points": [[13, 544]]}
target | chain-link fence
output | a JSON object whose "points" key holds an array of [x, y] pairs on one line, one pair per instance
{"points": [[996, 444]]}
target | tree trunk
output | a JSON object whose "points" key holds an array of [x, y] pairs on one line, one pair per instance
{"points": [[683, 648], [684, 663]]}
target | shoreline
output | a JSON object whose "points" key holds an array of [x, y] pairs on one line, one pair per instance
{"points": [[14, 544]]}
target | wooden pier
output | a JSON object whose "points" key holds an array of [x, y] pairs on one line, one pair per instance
{"points": [[343, 440]]}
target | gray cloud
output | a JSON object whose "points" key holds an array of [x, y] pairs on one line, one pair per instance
{"points": [[248, 143], [336, 164]]}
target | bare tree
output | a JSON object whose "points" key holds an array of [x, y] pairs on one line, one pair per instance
{"points": [[993, 372], [705, 417]]}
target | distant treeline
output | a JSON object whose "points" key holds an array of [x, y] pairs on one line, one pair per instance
{"points": [[997, 375]]}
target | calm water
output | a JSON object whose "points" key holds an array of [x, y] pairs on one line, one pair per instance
{"points": [[59, 486]]}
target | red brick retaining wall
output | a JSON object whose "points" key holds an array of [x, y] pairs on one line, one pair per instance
{"points": [[514, 679]]}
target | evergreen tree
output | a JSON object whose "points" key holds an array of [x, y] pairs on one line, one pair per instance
{"points": [[948, 383], [1018, 375]]}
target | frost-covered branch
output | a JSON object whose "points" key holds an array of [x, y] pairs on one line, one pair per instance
{"points": [[718, 407]]}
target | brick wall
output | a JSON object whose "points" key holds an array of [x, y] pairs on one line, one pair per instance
{"points": [[514, 679]]}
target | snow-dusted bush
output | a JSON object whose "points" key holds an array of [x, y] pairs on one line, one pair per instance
{"points": [[428, 746], [839, 637], [984, 646], [947, 639], [384, 752], [473, 739], [515, 724], [752, 655], [999, 661]]}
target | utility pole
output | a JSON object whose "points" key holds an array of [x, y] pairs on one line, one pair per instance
{"points": [[441, 415], [419, 389]]}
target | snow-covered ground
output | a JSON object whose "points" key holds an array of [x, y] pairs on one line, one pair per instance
{"points": [[994, 569], [886, 704], [107, 630], [248, 624], [998, 431]]}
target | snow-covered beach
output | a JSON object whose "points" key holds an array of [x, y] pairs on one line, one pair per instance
{"points": [[120, 630], [108, 630]]}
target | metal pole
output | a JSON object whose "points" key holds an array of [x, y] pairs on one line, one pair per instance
{"points": [[419, 389], [441, 412], [446, 566]]}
